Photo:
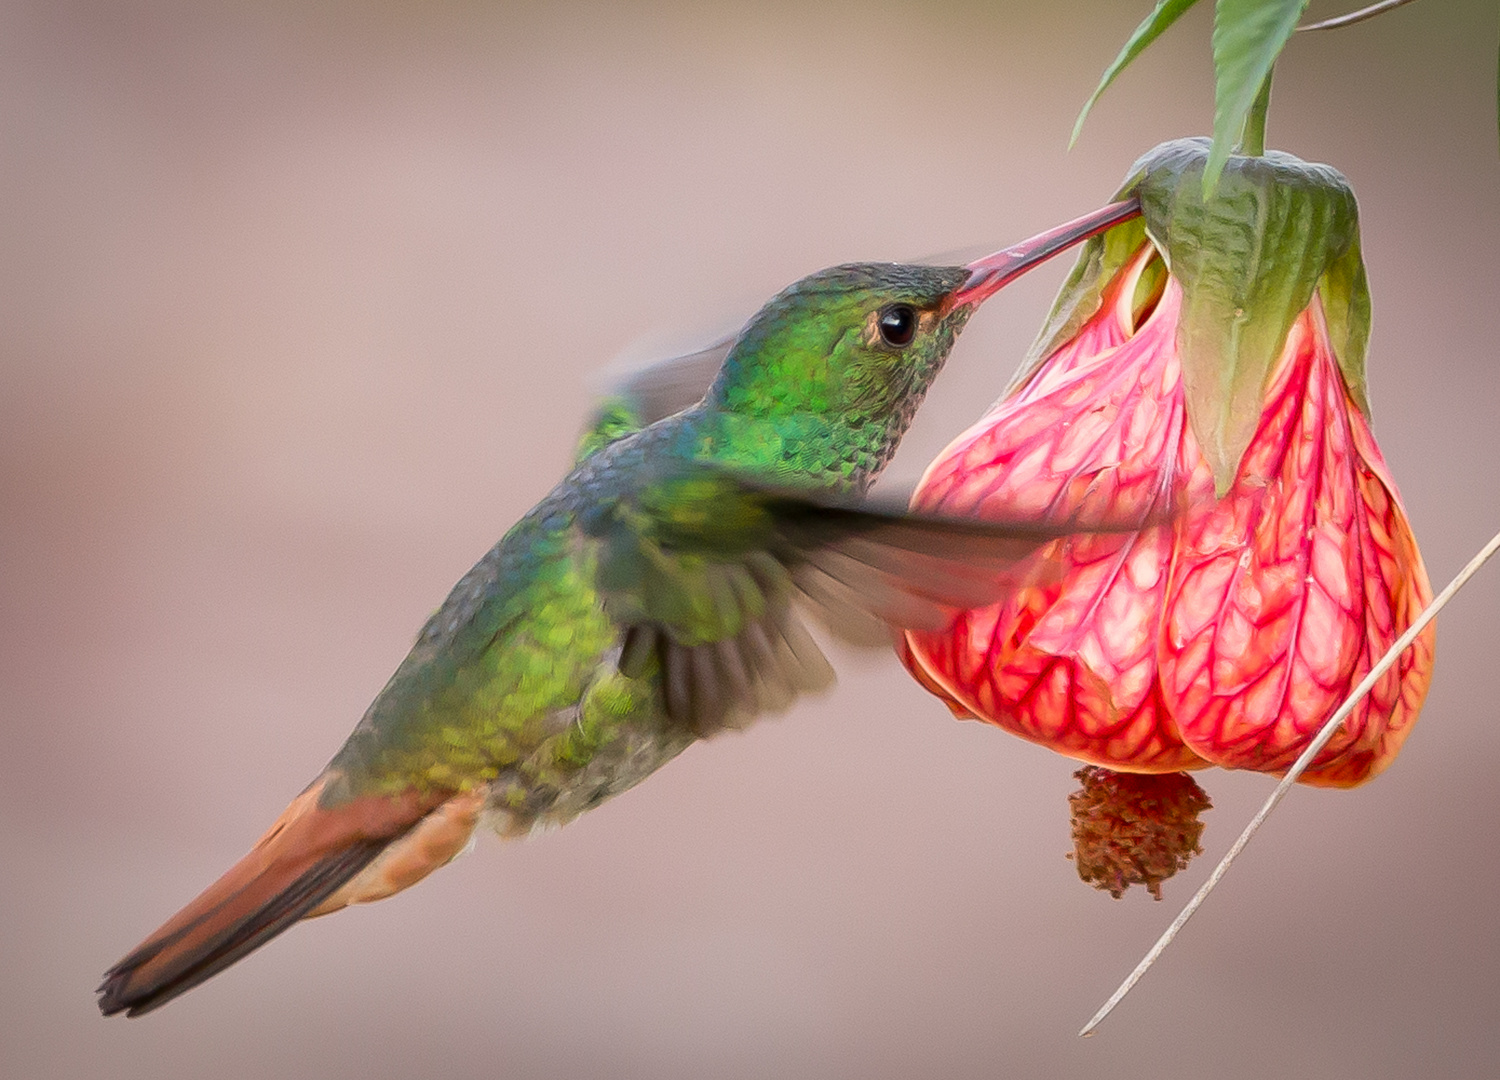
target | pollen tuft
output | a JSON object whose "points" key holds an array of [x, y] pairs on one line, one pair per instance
{"points": [[1134, 828]]}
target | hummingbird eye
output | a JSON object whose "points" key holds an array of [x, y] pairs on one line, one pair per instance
{"points": [[898, 325]]}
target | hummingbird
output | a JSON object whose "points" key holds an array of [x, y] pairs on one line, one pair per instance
{"points": [[656, 596]]}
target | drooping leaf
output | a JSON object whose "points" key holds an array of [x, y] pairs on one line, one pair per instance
{"points": [[1248, 37], [1164, 15]]}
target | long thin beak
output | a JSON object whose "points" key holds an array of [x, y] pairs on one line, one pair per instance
{"points": [[989, 274]]}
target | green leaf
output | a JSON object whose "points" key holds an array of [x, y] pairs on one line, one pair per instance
{"points": [[1248, 37], [1248, 259], [1166, 13]]}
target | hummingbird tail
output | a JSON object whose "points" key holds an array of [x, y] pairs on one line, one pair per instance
{"points": [[314, 860]]}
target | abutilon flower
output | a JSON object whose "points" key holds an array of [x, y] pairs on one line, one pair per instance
{"points": [[1203, 374]]}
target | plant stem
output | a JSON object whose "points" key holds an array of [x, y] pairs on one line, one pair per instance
{"points": [[1253, 138], [1355, 16]]}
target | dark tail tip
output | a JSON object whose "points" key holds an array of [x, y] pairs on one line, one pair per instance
{"points": [[166, 966]]}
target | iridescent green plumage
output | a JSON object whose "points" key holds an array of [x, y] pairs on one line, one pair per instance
{"points": [[667, 530], [654, 597]]}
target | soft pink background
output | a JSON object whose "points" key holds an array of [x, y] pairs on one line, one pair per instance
{"points": [[301, 305]]}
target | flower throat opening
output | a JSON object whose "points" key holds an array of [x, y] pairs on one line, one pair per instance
{"points": [[1149, 287]]}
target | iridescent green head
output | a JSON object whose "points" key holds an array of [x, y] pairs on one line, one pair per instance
{"points": [[843, 358], [860, 342], [825, 379]]}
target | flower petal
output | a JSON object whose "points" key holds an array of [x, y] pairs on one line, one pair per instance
{"points": [[1289, 589], [1099, 431]]}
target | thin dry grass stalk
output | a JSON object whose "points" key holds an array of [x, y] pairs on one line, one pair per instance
{"points": [[1297, 769]]}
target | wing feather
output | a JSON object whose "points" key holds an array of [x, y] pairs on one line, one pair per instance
{"points": [[715, 577]]}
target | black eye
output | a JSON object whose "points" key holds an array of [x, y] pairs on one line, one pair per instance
{"points": [[898, 325]]}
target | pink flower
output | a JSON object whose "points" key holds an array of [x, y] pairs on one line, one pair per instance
{"points": [[1227, 635]]}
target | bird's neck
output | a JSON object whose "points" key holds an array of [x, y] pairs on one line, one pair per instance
{"points": [[792, 448]]}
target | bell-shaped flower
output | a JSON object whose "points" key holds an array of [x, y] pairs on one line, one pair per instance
{"points": [[1202, 373]]}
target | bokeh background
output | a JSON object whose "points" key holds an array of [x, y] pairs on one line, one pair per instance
{"points": [[301, 306]]}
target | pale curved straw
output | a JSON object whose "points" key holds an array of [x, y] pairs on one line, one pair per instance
{"points": [[1297, 769]]}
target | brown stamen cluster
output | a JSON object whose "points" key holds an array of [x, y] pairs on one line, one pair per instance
{"points": [[1135, 828]]}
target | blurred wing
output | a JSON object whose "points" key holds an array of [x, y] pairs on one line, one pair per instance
{"points": [[644, 395], [668, 386], [709, 573], [864, 572]]}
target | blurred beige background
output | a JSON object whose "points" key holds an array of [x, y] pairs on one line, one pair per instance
{"points": [[301, 307]]}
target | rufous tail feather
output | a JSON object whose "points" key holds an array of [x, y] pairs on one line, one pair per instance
{"points": [[314, 860]]}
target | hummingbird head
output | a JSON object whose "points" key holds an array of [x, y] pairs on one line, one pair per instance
{"points": [[856, 344], [838, 362], [834, 367]]}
